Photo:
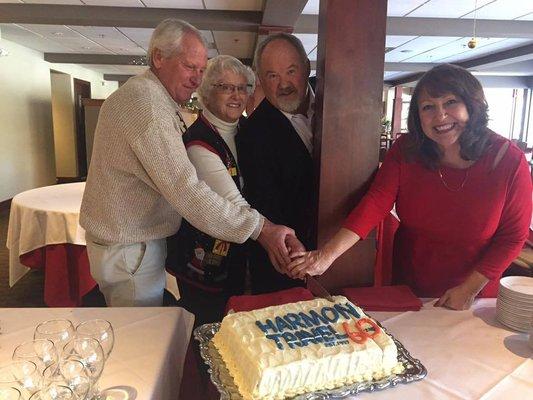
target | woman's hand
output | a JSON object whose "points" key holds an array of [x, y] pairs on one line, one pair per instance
{"points": [[462, 296], [318, 261], [314, 262], [456, 298]]}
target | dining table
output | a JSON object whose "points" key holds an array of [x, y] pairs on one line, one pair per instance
{"points": [[44, 233], [148, 356], [468, 355]]}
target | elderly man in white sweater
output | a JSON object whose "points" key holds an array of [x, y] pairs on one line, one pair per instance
{"points": [[141, 183]]}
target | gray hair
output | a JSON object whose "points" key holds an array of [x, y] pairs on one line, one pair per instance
{"points": [[168, 35], [216, 68], [291, 39]]}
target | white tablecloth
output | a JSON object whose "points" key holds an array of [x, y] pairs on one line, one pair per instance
{"points": [[42, 216], [468, 354], [149, 351], [45, 216]]}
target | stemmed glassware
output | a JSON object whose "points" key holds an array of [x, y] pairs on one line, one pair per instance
{"points": [[89, 351], [41, 352], [54, 392], [71, 373], [22, 375], [59, 331], [100, 330], [9, 393]]}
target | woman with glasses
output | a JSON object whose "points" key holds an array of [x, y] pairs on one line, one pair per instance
{"points": [[209, 270]]}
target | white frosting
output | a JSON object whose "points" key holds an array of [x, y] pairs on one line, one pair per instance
{"points": [[262, 370]]}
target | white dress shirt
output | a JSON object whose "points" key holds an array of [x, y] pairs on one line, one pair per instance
{"points": [[302, 124]]}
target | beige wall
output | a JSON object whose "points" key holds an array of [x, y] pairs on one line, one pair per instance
{"points": [[63, 122], [26, 133]]}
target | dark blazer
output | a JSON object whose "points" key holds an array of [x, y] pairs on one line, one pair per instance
{"points": [[278, 175]]}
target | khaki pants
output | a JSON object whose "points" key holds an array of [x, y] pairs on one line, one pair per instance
{"points": [[129, 275]]}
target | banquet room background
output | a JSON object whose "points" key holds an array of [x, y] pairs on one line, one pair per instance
{"points": [[45, 45]]}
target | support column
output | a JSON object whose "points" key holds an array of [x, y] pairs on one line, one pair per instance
{"points": [[351, 48], [396, 126]]}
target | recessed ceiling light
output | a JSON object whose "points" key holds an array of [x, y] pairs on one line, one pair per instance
{"points": [[57, 33], [87, 47], [406, 51]]}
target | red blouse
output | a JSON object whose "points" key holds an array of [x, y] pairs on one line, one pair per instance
{"points": [[447, 232]]}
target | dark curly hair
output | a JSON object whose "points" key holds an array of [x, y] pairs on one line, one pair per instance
{"points": [[438, 81]]}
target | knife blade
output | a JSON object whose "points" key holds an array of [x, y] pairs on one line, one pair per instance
{"points": [[317, 289]]}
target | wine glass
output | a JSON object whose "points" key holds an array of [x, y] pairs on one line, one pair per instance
{"points": [[71, 373], [99, 329], [22, 375], [9, 393], [59, 331], [54, 392], [90, 353], [42, 352]]}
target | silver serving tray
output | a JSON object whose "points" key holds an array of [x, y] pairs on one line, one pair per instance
{"points": [[413, 371]]}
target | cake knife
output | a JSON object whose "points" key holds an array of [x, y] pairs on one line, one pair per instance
{"points": [[317, 289]]}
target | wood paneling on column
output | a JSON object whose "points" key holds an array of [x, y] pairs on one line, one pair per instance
{"points": [[351, 45]]}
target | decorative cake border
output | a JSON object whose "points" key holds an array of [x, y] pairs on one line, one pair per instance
{"points": [[413, 371]]}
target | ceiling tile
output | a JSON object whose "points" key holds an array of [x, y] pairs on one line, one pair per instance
{"points": [[208, 36], [141, 36], [52, 31], [193, 4], [453, 8], [527, 17], [486, 46], [399, 8], [309, 40], [417, 46], [115, 3], [395, 41], [24, 37], [72, 2], [311, 7], [110, 38], [245, 5], [238, 44], [504, 9], [451, 49]]}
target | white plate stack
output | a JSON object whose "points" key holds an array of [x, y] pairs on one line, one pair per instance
{"points": [[514, 307]]}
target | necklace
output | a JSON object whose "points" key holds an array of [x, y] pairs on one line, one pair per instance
{"points": [[453, 189]]}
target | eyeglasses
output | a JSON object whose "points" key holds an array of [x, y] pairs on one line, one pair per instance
{"points": [[228, 88]]}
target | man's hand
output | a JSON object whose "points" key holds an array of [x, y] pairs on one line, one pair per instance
{"points": [[272, 238]]}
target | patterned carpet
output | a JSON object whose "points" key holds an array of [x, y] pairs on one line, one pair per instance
{"points": [[28, 292]]}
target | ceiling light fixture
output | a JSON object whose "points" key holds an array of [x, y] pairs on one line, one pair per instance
{"points": [[57, 33], [473, 42]]}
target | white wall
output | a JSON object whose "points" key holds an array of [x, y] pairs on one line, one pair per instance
{"points": [[26, 133]]}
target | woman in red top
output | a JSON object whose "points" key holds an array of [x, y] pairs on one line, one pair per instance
{"points": [[462, 193]]}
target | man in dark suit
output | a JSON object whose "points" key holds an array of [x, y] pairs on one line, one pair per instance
{"points": [[274, 151]]}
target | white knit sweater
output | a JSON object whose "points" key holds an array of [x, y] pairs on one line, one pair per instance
{"points": [[140, 180]]}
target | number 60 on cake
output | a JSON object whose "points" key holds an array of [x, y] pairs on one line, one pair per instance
{"points": [[282, 351]]}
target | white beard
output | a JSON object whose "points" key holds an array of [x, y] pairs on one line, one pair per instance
{"points": [[289, 106]]}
